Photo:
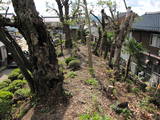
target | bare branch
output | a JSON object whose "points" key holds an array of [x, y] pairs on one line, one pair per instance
{"points": [[75, 12], [96, 17], [6, 12], [125, 4]]}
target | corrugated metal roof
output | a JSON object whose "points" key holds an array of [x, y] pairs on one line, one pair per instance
{"points": [[148, 22]]}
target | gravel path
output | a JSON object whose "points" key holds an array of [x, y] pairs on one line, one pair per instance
{"points": [[4, 74]]}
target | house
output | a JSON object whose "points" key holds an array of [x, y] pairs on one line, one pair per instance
{"points": [[55, 26], [146, 29]]}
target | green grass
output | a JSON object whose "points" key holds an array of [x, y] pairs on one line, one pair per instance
{"points": [[71, 74], [146, 105], [91, 81], [94, 116]]}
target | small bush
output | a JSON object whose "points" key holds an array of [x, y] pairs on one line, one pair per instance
{"points": [[3, 84], [14, 74], [71, 74], [91, 81], [15, 85], [69, 59], [24, 92], [8, 81], [5, 95], [74, 64], [126, 112]]}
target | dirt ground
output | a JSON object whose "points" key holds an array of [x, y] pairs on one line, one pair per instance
{"points": [[4, 74], [87, 98]]}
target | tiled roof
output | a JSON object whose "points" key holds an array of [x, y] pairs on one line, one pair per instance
{"points": [[148, 22]]}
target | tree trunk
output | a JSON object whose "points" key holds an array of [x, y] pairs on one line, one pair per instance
{"points": [[90, 62], [67, 31], [98, 42], [127, 67], [124, 28], [64, 17], [46, 74]]}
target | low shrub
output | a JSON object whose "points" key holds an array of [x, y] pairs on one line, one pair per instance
{"points": [[5, 95], [24, 92], [3, 84], [15, 85], [8, 81], [91, 81], [74, 64], [69, 59], [14, 74]]}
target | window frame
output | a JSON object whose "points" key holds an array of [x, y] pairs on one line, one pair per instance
{"points": [[155, 43]]}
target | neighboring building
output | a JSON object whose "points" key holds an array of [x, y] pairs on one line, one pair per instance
{"points": [[146, 29]]}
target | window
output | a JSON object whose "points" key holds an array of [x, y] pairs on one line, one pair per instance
{"points": [[155, 40]]}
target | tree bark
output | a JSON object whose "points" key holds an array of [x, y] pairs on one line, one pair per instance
{"points": [[67, 31], [46, 74], [98, 42], [66, 28], [127, 67], [90, 62]]}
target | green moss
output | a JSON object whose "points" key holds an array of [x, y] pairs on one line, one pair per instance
{"points": [[91, 81], [15, 85], [14, 74], [24, 92]]}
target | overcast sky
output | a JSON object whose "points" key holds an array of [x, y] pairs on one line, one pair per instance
{"points": [[138, 6]]}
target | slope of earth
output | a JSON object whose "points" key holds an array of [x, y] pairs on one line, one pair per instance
{"points": [[95, 99]]}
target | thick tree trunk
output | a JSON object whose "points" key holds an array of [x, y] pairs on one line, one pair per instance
{"points": [[46, 74], [127, 67], [124, 28]]}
